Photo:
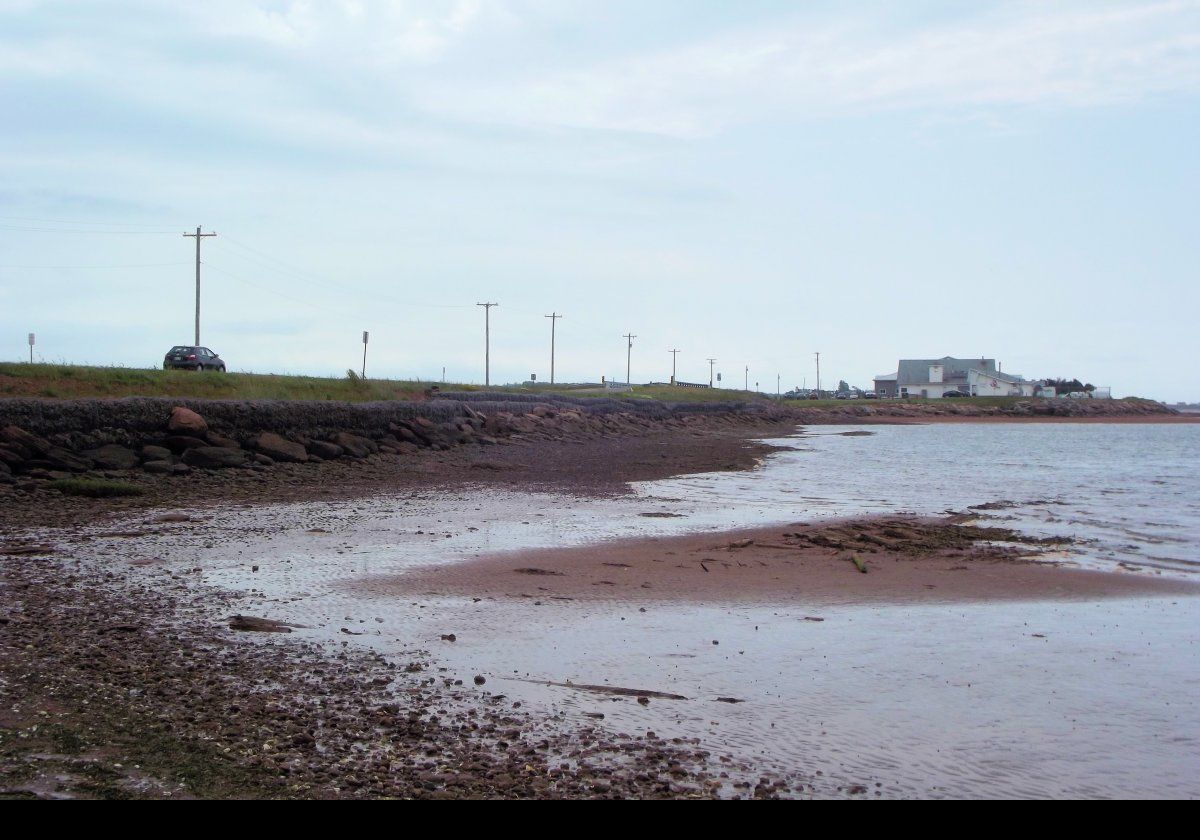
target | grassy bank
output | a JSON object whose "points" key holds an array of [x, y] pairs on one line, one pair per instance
{"points": [[57, 381]]}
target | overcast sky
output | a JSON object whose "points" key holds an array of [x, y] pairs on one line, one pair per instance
{"points": [[753, 181]]}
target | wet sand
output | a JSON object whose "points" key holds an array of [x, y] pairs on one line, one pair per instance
{"points": [[874, 560]]}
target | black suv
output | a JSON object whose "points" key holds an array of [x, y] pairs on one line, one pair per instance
{"points": [[192, 358]]}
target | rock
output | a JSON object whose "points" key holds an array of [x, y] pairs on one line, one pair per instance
{"points": [[182, 443], [185, 421], [325, 450], [5, 469], [263, 460], [358, 447], [113, 457], [10, 456], [480, 680], [249, 623], [157, 467], [214, 457], [215, 439], [65, 459], [22, 438], [279, 448], [156, 453]]}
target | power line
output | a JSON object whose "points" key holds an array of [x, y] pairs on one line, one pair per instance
{"points": [[159, 228], [127, 265]]}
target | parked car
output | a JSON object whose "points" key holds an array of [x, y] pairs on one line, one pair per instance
{"points": [[185, 357], [953, 394], [870, 395]]}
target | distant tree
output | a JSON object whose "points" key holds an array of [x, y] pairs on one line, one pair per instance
{"points": [[842, 386], [1069, 386]]}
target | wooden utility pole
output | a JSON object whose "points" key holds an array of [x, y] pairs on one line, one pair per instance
{"points": [[711, 362], [554, 316], [487, 341], [747, 386], [818, 376], [674, 355], [198, 236], [628, 355], [366, 336]]}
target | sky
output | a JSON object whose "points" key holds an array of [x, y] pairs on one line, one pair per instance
{"points": [[753, 182]]}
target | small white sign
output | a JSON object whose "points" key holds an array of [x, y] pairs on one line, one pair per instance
{"points": [[31, 339]]}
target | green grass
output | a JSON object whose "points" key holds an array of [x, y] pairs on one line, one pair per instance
{"points": [[997, 402], [94, 488], [77, 381], [60, 381]]}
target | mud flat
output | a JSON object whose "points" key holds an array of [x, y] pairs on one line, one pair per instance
{"points": [[876, 560]]}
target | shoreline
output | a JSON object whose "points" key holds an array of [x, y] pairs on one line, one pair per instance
{"points": [[126, 677]]}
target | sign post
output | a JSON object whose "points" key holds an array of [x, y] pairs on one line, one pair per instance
{"points": [[32, 339], [366, 337]]}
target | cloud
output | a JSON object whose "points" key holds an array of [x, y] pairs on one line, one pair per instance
{"points": [[1075, 55]]}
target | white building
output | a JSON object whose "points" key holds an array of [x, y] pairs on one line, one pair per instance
{"points": [[932, 378]]}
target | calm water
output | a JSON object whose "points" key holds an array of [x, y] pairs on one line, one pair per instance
{"points": [[1016, 699]]}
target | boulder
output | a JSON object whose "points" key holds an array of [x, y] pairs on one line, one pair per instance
{"points": [[5, 469], [185, 421], [22, 438], [157, 467], [10, 456], [65, 459], [182, 443], [113, 457], [324, 450], [214, 457], [156, 453], [355, 446], [220, 440], [279, 448]]}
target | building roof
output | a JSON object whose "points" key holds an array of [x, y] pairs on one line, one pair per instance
{"points": [[916, 371], [886, 377], [1003, 377]]}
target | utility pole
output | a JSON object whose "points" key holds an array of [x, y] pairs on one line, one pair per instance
{"points": [[366, 335], [628, 355], [711, 362], [778, 393], [818, 376], [487, 341], [747, 387], [674, 356], [553, 321], [198, 236]]}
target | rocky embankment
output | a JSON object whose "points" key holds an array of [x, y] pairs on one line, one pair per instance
{"points": [[45, 440], [890, 411]]}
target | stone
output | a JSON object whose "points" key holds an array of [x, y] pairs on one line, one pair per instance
{"points": [[157, 467], [10, 456], [33, 443], [182, 443], [185, 421], [65, 459], [325, 450], [279, 448], [113, 457], [156, 453], [214, 457], [220, 440], [354, 445]]}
